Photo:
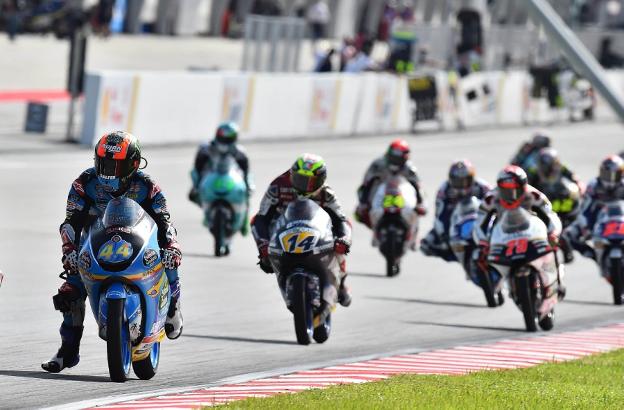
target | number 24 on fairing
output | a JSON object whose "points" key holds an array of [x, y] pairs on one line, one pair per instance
{"points": [[298, 242]]}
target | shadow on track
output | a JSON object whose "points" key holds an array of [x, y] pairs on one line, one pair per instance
{"points": [[54, 376], [430, 302], [369, 275], [243, 339], [506, 329], [586, 302]]}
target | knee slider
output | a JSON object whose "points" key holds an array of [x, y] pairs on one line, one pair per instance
{"points": [[66, 298]]}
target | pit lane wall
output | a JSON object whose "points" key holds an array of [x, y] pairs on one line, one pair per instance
{"points": [[185, 106]]}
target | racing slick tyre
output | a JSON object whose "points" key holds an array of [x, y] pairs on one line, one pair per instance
{"points": [[118, 349], [486, 285], [146, 368], [218, 231], [616, 280], [392, 266], [302, 310], [526, 297]]}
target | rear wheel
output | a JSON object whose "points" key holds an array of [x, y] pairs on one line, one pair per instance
{"points": [[118, 350], [616, 280], [218, 230], [302, 311], [526, 296], [146, 368], [321, 333]]}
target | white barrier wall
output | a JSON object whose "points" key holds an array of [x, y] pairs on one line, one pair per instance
{"points": [[166, 107]]}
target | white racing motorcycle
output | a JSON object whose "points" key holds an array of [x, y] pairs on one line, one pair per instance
{"points": [[521, 253], [394, 220], [301, 251], [608, 239]]}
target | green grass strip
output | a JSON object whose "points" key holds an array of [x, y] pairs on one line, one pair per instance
{"points": [[594, 382]]}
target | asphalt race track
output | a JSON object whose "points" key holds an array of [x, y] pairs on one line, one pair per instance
{"points": [[235, 319]]}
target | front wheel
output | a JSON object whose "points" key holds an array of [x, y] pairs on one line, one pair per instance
{"points": [[392, 264], [616, 280], [218, 231], [486, 284], [548, 322], [118, 350], [526, 297], [146, 368], [302, 310]]}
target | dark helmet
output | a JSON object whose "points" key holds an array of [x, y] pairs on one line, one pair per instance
{"points": [[548, 164], [308, 174], [540, 140], [461, 176], [227, 133], [611, 169], [397, 155], [512, 183], [117, 157]]}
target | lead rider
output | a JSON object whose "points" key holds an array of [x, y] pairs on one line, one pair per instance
{"points": [[116, 174]]}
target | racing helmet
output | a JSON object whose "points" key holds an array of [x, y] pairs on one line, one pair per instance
{"points": [[226, 136], [308, 174], [117, 158], [611, 169], [461, 176], [512, 183], [548, 164], [540, 140], [397, 155]]}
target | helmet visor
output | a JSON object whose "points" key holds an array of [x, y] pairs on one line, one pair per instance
{"points": [[305, 184], [510, 192], [610, 177], [109, 168], [461, 182]]}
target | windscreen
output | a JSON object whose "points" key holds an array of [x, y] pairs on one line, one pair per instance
{"points": [[615, 209], [301, 209], [515, 220], [122, 212]]}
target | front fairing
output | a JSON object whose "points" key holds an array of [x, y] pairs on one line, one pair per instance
{"points": [[142, 274], [225, 182], [608, 234]]}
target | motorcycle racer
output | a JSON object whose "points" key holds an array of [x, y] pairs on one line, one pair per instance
{"points": [[116, 173], [525, 158], [395, 161], [608, 186], [306, 178], [461, 184], [513, 191], [224, 143]]}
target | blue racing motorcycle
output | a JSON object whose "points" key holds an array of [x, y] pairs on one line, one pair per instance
{"points": [[127, 286], [466, 251], [224, 199]]}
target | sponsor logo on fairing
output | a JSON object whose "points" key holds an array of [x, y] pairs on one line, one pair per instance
{"points": [[149, 257]]}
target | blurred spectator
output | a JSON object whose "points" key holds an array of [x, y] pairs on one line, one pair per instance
{"points": [[347, 52], [318, 17], [324, 62], [468, 60], [362, 60], [103, 17], [607, 57], [402, 40], [544, 67], [388, 16]]}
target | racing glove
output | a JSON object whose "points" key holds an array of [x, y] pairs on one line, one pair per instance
{"points": [[263, 256], [362, 214], [171, 256], [342, 246], [421, 210], [553, 240], [70, 258]]}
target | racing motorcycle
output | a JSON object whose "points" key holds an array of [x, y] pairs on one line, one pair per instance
{"points": [[128, 289], [521, 253], [223, 197], [466, 252], [301, 252], [394, 221], [565, 198], [608, 239]]}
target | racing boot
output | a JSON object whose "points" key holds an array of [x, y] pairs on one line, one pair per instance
{"points": [[68, 355], [174, 322], [344, 293], [568, 254]]}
